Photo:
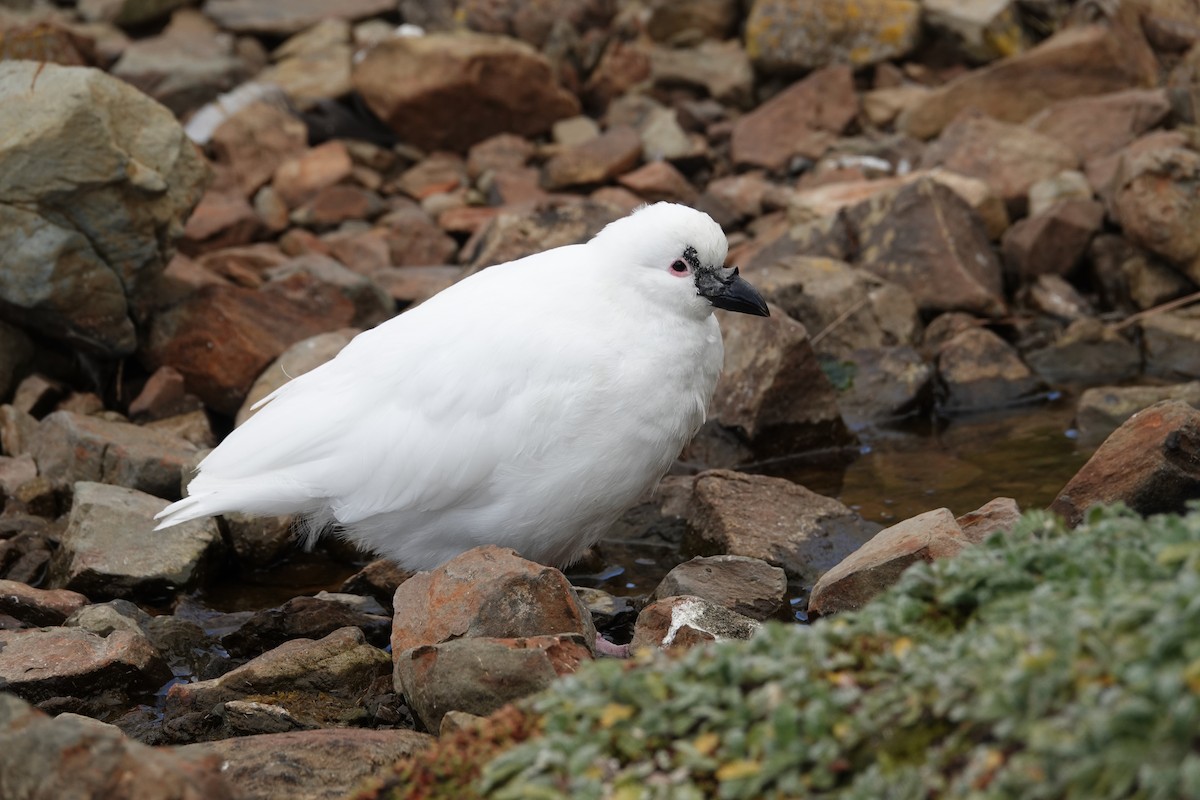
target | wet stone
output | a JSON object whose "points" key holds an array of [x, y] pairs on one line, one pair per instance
{"points": [[1103, 409], [749, 586], [978, 370], [38, 607], [679, 623], [303, 618]]}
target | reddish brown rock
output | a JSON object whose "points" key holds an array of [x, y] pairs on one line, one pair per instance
{"points": [[1157, 203], [1052, 242], [680, 623], [256, 141], [979, 370], [1009, 158], [596, 160], [995, 516], [163, 395], [622, 66], [449, 91], [657, 181], [37, 607], [749, 586], [362, 251], [802, 120], [333, 205], [522, 231], [301, 357], [1126, 116], [500, 153], [223, 218], [435, 174], [478, 675], [302, 618], [41, 663], [299, 178], [1075, 62], [409, 286], [415, 240], [470, 595], [221, 338], [1151, 463], [772, 389], [774, 520], [879, 563], [378, 580], [74, 756]]}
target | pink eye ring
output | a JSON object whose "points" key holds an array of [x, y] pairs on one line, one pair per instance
{"points": [[679, 267]]}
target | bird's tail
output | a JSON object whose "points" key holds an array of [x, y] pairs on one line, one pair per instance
{"points": [[209, 497]]}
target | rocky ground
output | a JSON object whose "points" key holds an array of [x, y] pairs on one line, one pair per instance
{"points": [[953, 207]]}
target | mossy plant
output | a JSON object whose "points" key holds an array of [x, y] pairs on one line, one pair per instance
{"points": [[1045, 663]]}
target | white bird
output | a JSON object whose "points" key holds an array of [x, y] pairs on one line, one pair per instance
{"points": [[526, 406]]}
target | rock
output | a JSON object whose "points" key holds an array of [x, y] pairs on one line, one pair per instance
{"points": [[16, 355], [706, 19], [410, 286], [319, 282], [995, 516], [415, 240], [24, 549], [102, 619], [772, 390], [1052, 242], [1172, 344], [222, 219], [680, 623], [378, 580], [488, 591], [658, 127], [247, 328], [720, 69], [320, 683], [1102, 410], [259, 541], [802, 120], [190, 63], [1130, 278], [300, 178], [323, 764], [1108, 173], [885, 383], [78, 240], [850, 308], [657, 181], [163, 395], [70, 447], [789, 36], [523, 231], [1157, 201], [1150, 463], [1068, 185], [1075, 62], [70, 755], [749, 586], [982, 30], [771, 519], [314, 65], [537, 22], [437, 173], [1087, 352], [923, 237], [1009, 158], [104, 550], [302, 618], [256, 141], [38, 607], [879, 563], [480, 674], [258, 17], [597, 160], [193, 427], [44, 663], [449, 91], [1127, 115], [303, 356], [574, 131], [622, 66], [978, 370], [127, 13]]}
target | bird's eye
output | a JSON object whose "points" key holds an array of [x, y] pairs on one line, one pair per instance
{"points": [[679, 267]]}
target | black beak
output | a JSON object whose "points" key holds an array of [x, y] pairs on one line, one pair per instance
{"points": [[725, 289]]}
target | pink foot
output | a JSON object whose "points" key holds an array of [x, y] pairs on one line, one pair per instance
{"points": [[606, 648]]}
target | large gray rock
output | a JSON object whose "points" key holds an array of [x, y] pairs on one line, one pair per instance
{"points": [[110, 547], [749, 586], [96, 180]]}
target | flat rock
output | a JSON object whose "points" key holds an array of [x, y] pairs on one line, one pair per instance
{"points": [[1087, 352], [478, 675], [978, 370], [680, 623], [773, 390], [802, 120], [487, 591], [256, 141], [597, 160], [1101, 410], [879, 563], [325, 764], [774, 520], [302, 618], [78, 240], [1172, 344], [719, 68], [657, 181], [43, 757], [71, 447], [319, 683], [449, 91], [1052, 242], [1157, 201], [1075, 62], [38, 607], [995, 516], [415, 240], [1127, 115], [163, 395], [299, 179], [42, 663], [1150, 463], [110, 547], [270, 19], [749, 586], [790, 36]]}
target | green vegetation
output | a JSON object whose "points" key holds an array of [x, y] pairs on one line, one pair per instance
{"points": [[1045, 664]]}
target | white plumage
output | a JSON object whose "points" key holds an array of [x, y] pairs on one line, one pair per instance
{"points": [[526, 406]]}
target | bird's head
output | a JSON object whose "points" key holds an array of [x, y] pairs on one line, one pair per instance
{"points": [[678, 253]]}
